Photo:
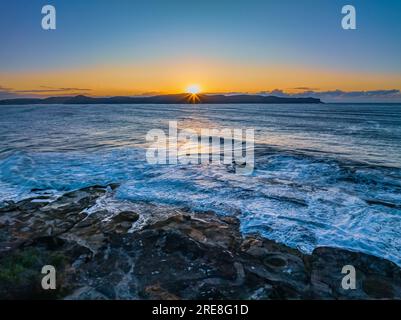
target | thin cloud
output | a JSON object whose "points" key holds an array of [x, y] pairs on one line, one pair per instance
{"points": [[230, 93], [6, 93], [49, 89], [148, 94], [10, 93], [305, 88], [393, 95]]}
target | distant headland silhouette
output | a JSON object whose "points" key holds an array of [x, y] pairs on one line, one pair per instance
{"points": [[182, 98]]}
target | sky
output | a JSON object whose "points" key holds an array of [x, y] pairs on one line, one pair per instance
{"points": [[145, 47]]}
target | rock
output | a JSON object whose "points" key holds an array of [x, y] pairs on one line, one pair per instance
{"points": [[183, 256], [29, 219], [206, 257], [155, 292], [20, 270], [376, 278]]}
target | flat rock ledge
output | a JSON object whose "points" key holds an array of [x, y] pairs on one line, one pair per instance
{"points": [[182, 256]]}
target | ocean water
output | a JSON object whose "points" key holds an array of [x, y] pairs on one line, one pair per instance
{"points": [[325, 175]]}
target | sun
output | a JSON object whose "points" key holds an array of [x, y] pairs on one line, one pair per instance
{"points": [[193, 89]]}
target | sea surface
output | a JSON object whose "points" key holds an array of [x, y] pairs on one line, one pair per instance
{"points": [[325, 175]]}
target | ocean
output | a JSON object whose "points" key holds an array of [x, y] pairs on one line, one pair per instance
{"points": [[325, 174]]}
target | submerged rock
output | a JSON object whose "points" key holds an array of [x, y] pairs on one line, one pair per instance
{"points": [[184, 256]]}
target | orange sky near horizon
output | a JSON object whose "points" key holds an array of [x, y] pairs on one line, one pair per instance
{"points": [[212, 76]]}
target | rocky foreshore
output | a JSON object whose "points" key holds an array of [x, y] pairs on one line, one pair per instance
{"points": [[116, 255]]}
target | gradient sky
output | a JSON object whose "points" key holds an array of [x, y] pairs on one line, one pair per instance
{"points": [[145, 46]]}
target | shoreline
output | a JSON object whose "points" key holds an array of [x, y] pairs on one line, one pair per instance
{"points": [[181, 256]]}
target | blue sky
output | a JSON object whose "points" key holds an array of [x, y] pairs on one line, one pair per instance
{"points": [[305, 34]]}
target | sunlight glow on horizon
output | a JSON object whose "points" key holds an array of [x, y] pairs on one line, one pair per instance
{"points": [[193, 89], [168, 75]]}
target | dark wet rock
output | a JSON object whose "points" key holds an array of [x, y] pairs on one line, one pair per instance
{"points": [[376, 278], [206, 257], [29, 219], [20, 270], [185, 256]]}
